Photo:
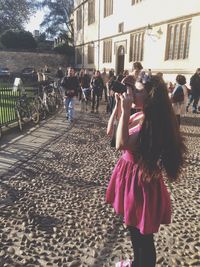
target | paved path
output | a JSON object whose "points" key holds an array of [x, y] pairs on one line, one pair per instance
{"points": [[16, 147]]}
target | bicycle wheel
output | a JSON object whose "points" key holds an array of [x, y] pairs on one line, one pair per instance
{"points": [[51, 103], [41, 108], [19, 120], [59, 102], [35, 116], [43, 113]]}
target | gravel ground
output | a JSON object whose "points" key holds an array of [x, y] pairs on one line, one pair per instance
{"points": [[53, 213]]}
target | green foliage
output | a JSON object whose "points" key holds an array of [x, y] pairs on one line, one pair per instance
{"points": [[14, 13], [44, 46], [64, 49], [18, 40], [42, 37], [58, 16]]}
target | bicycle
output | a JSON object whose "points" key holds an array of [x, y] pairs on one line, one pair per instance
{"points": [[26, 111], [59, 97], [50, 98], [41, 103], [54, 97]]}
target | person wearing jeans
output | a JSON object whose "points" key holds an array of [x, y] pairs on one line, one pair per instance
{"points": [[70, 84], [69, 105]]}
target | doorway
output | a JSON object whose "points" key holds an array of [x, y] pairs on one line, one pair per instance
{"points": [[120, 59]]}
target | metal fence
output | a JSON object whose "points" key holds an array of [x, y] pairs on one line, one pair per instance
{"points": [[8, 100]]}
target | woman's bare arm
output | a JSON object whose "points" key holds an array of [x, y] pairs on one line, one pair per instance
{"points": [[123, 139], [115, 115]]}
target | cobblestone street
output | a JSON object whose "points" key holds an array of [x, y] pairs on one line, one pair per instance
{"points": [[52, 207]]}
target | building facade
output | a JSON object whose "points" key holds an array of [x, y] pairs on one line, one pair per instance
{"points": [[162, 35]]}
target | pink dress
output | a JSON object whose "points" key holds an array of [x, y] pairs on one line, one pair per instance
{"points": [[144, 205]]}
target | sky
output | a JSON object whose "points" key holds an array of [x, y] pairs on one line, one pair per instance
{"points": [[34, 23]]}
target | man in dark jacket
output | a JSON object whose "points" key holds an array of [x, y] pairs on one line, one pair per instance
{"points": [[70, 84], [195, 91], [97, 87]]}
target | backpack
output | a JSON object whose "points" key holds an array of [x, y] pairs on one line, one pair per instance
{"points": [[178, 95]]}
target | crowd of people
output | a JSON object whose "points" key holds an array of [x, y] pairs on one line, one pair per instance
{"points": [[95, 86], [91, 87]]}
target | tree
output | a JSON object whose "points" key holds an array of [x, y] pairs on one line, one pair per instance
{"points": [[14, 13], [42, 37], [64, 49], [57, 20], [18, 40]]}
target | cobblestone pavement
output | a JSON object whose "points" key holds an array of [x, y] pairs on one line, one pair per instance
{"points": [[52, 208]]}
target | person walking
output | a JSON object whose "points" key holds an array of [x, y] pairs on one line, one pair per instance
{"points": [[59, 74], [110, 92], [140, 79], [105, 77], [139, 75], [97, 86], [179, 97], [195, 91], [136, 189], [85, 89], [47, 72], [70, 84]]}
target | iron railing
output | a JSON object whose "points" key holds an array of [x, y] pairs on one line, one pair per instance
{"points": [[8, 100]]}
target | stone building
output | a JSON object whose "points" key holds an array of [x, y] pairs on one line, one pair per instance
{"points": [[163, 35]]}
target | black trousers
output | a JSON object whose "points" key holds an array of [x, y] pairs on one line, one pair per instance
{"points": [[143, 248], [95, 101], [178, 117]]}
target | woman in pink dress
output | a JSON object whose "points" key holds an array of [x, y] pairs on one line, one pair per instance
{"points": [[152, 145]]}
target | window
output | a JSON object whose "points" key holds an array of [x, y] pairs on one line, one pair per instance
{"points": [[136, 46], [107, 51], [79, 19], [90, 54], [108, 8], [79, 55], [134, 2], [91, 11], [121, 27], [178, 40]]}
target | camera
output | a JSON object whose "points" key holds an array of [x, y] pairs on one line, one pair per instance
{"points": [[118, 87]]}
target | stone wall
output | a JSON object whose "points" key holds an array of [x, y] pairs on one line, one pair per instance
{"points": [[16, 61]]}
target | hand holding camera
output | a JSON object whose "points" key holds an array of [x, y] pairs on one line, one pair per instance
{"points": [[118, 87], [121, 87]]}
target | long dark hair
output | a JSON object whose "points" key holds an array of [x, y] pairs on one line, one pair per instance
{"points": [[159, 142]]}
